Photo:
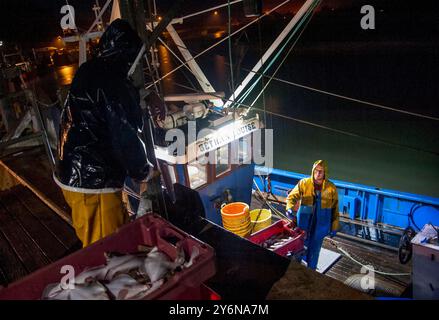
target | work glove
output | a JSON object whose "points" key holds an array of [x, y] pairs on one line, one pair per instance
{"points": [[290, 215], [145, 205], [147, 197]]}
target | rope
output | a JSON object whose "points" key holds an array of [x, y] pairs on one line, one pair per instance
{"points": [[275, 211], [347, 254], [372, 104], [181, 61], [219, 42], [286, 56], [350, 133]]}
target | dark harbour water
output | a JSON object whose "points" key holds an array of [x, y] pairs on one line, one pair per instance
{"points": [[396, 69], [394, 78], [396, 66]]}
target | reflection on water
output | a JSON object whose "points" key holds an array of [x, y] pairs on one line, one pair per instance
{"points": [[65, 74], [165, 67]]}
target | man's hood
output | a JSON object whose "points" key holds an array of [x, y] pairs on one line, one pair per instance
{"points": [[325, 167], [119, 41]]}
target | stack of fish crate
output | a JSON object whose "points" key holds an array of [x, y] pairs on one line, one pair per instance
{"points": [[148, 231]]}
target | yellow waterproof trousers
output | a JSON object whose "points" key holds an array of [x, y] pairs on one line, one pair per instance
{"points": [[95, 216]]}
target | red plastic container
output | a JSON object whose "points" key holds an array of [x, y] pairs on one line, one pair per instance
{"points": [[202, 292], [295, 245], [150, 230]]}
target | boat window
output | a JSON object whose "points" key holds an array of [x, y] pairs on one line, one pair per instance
{"points": [[171, 170], [222, 160], [197, 173], [244, 151]]}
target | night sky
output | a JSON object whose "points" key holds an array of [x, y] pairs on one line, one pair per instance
{"points": [[33, 21]]}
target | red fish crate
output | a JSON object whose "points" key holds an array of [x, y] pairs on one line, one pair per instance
{"points": [[281, 229], [150, 230]]}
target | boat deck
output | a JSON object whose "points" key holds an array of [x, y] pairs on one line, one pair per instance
{"points": [[381, 257], [35, 230]]}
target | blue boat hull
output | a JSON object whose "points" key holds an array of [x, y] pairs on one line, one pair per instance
{"points": [[364, 203]]}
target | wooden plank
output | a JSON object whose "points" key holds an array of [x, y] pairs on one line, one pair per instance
{"points": [[31, 168], [333, 275], [25, 247], [60, 212], [57, 197], [11, 266], [381, 258], [57, 227], [40, 235], [337, 274]]}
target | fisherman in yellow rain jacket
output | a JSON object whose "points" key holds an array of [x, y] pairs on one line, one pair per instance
{"points": [[318, 211]]}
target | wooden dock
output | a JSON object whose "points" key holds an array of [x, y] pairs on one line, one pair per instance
{"points": [[31, 234]]}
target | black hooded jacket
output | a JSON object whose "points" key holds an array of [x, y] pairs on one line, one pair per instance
{"points": [[99, 143]]}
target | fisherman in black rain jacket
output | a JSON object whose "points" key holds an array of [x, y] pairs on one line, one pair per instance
{"points": [[99, 136]]}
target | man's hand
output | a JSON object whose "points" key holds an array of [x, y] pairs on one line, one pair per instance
{"points": [[153, 174], [292, 217], [142, 186]]}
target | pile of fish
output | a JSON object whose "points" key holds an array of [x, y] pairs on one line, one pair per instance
{"points": [[276, 241], [128, 276]]}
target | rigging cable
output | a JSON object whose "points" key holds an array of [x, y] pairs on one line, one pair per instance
{"points": [[293, 33], [221, 41], [346, 133], [372, 104], [181, 61], [230, 48], [286, 56], [262, 80]]}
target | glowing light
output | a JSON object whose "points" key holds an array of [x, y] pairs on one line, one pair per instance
{"points": [[215, 13], [218, 34], [1, 43], [66, 74]]}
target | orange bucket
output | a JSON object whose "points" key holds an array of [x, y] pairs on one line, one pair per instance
{"points": [[236, 218]]}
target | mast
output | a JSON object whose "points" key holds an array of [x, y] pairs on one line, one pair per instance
{"points": [[270, 51]]}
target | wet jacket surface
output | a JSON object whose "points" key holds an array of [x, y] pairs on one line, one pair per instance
{"points": [[99, 144], [318, 212]]}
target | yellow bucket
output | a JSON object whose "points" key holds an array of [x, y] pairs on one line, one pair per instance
{"points": [[263, 221], [236, 218]]}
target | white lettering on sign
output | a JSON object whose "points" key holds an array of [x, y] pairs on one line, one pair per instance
{"points": [[226, 135]]}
